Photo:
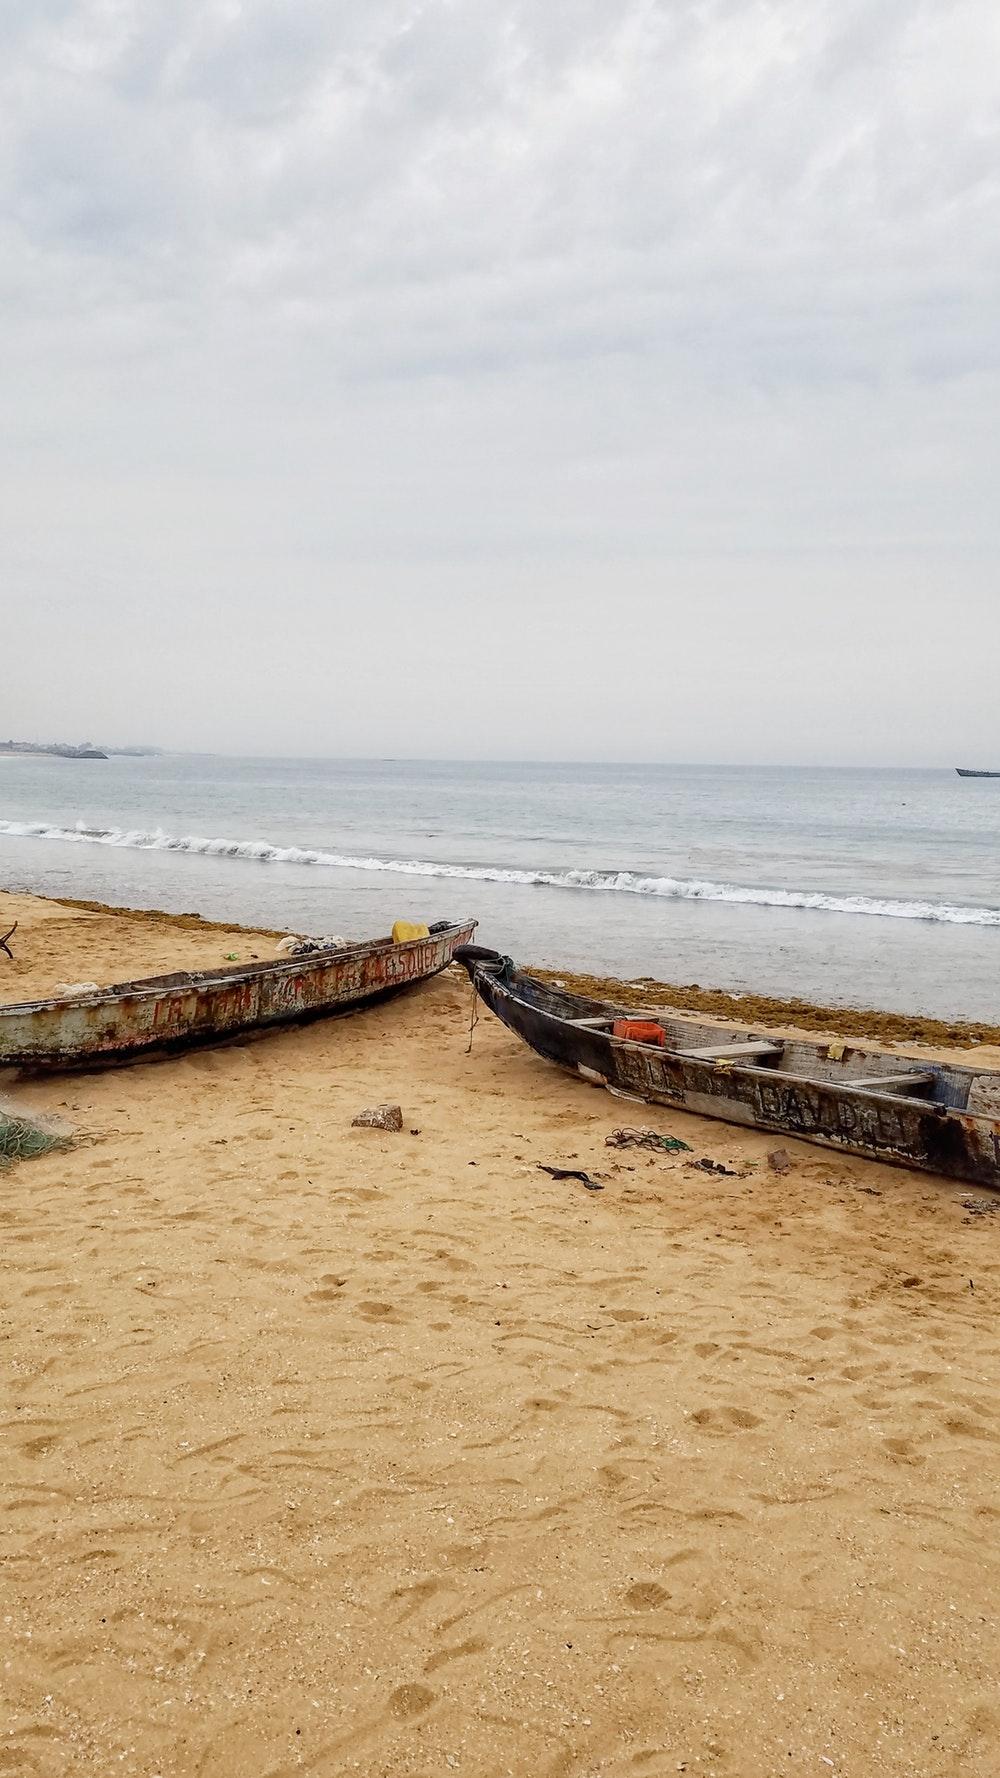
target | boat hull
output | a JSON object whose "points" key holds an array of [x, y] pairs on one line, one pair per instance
{"points": [[165, 1014], [895, 1129]]}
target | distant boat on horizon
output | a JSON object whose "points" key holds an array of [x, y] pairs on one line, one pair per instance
{"points": [[964, 772]]}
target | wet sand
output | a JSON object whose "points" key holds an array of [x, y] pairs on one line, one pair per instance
{"points": [[329, 1450]]}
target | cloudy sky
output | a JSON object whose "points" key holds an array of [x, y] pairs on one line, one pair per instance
{"points": [[483, 378]]}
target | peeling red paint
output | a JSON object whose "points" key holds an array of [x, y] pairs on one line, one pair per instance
{"points": [[178, 1011]]}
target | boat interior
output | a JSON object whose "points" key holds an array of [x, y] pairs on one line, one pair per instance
{"points": [[251, 969], [835, 1062]]}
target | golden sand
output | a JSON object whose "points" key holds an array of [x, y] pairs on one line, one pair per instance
{"points": [[332, 1451]]}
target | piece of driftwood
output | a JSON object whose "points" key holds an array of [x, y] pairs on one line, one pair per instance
{"points": [[592, 1185], [5, 940]]}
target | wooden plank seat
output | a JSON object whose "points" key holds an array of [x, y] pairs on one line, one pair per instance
{"points": [[892, 1083], [731, 1052]]}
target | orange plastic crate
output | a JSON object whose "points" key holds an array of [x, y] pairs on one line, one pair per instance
{"points": [[639, 1031]]}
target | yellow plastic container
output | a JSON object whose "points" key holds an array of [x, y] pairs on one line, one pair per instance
{"points": [[405, 931]]}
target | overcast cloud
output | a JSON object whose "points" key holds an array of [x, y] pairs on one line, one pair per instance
{"points": [[563, 380]]}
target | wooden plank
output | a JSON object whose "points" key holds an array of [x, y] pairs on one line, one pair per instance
{"points": [[889, 1083], [594, 1024], [727, 1052]]}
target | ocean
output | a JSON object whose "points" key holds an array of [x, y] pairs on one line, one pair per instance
{"points": [[868, 888]]}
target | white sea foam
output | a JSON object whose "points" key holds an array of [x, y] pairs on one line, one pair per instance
{"points": [[618, 882]]}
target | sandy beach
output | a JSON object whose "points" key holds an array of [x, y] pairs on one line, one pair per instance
{"points": [[328, 1450]]}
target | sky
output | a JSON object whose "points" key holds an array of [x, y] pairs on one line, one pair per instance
{"points": [[485, 379]]}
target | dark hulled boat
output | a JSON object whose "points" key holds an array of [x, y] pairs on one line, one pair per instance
{"points": [[936, 1117], [964, 772]]}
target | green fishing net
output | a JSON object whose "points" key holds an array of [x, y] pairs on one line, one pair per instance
{"points": [[22, 1140]]}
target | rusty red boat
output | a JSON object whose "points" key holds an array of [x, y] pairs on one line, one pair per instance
{"points": [[162, 1014]]}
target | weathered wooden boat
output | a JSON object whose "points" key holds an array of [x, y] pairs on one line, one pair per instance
{"points": [[964, 772], [166, 1013], [908, 1113]]}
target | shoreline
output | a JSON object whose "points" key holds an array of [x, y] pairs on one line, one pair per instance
{"points": [[878, 1025], [191, 921]]}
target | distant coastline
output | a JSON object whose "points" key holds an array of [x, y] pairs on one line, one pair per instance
{"points": [[53, 750], [66, 750]]}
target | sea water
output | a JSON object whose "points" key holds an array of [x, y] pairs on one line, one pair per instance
{"points": [[876, 888]]}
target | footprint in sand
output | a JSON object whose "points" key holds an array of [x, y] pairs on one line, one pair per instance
{"points": [[963, 1426], [646, 1595], [41, 1446], [900, 1450], [412, 1598], [725, 1419], [408, 1701], [457, 1652]]}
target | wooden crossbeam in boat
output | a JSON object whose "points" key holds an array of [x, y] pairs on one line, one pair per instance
{"points": [[890, 1083], [730, 1052], [631, 1012]]}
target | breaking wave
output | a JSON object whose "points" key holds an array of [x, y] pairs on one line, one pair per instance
{"points": [[623, 882]]}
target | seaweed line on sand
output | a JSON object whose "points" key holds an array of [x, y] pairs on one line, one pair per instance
{"points": [[763, 1009], [758, 1009], [153, 916]]}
